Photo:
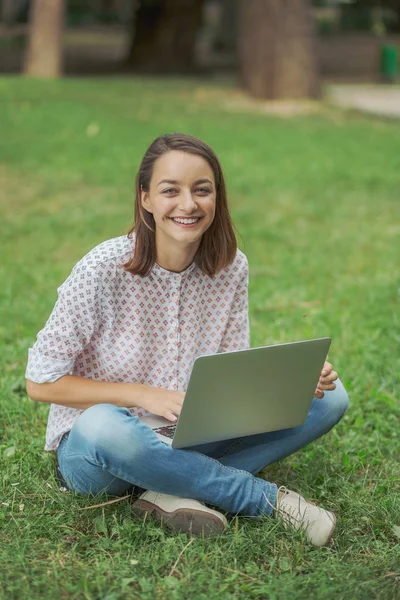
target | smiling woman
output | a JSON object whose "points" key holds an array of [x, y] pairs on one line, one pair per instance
{"points": [[180, 179], [183, 213], [120, 344]]}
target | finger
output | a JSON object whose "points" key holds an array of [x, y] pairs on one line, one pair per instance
{"points": [[176, 400], [171, 417], [327, 387], [327, 368], [332, 376], [319, 394]]}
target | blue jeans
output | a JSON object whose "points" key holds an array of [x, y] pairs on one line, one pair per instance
{"points": [[109, 451]]}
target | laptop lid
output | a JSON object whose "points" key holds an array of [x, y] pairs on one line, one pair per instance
{"points": [[251, 391]]}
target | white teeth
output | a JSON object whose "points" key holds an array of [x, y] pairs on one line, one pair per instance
{"points": [[186, 221]]}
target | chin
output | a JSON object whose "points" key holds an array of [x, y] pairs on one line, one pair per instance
{"points": [[192, 237]]}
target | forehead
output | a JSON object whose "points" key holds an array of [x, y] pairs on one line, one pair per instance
{"points": [[181, 166]]}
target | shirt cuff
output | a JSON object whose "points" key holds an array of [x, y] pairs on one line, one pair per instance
{"points": [[42, 369]]}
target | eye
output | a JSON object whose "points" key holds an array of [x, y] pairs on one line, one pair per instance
{"points": [[203, 190], [170, 191]]}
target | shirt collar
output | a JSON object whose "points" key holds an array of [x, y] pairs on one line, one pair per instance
{"points": [[165, 273]]}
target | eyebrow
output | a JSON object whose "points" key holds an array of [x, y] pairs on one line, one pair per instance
{"points": [[175, 181]]}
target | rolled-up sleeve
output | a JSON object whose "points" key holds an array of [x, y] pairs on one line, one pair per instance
{"points": [[237, 333], [70, 327]]}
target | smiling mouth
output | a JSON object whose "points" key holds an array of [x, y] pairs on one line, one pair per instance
{"points": [[185, 221]]}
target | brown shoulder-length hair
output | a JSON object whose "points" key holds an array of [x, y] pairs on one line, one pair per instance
{"points": [[218, 245]]}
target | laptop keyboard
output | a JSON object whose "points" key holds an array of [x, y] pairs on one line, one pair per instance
{"points": [[167, 430]]}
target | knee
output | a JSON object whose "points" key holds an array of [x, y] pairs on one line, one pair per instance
{"points": [[109, 428], [337, 402], [98, 422]]}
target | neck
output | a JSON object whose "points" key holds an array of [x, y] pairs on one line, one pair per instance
{"points": [[176, 259]]}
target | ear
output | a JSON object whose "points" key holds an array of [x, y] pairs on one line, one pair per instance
{"points": [[144, 199]]}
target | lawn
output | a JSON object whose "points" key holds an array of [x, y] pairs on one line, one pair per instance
{"points": [[316, 203]]}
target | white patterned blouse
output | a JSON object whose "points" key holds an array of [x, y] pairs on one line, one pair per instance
{"points": [[110, 325]]}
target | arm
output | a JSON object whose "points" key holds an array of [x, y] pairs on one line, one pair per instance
{"points": [[75, 318], [81, 393]]}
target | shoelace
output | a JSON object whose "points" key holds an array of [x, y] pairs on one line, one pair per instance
{"points": [[291, 514], [278, 509]]}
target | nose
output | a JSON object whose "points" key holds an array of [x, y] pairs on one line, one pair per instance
{"points": [[187, 202]]}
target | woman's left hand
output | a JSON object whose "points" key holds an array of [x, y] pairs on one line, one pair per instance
{"points": [[326, 380]]}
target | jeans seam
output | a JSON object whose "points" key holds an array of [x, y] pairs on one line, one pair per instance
{"points": [[141, 484], [225, 467], [229, 449], [96, 464]]}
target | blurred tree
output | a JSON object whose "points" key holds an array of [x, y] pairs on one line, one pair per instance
{"points": [[366, 14], [8, 11], [277, 58], [13, 11], [164, 36], [226, 31], [44, 54]]}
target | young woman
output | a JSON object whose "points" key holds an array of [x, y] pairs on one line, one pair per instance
{"points": [[120, 343]]}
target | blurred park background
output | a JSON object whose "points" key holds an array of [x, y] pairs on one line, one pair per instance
{"points": [[272, 49], [301, 103]]}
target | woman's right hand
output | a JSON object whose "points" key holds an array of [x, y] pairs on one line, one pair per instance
{"points": [[162, 402]]}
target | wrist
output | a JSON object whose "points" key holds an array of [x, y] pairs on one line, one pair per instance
{"points": [[132, 395], [139, 395]]}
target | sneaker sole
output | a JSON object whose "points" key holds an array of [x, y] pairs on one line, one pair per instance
{"points": [[193, 522]]}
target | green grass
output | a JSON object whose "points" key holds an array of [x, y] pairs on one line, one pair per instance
{"points": [[316, 201]]}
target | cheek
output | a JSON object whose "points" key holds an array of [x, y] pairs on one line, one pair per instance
{"points": [[162, 209], [209, 206]]}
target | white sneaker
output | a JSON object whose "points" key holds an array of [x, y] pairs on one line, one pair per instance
{"points": [[317, 523], [181, 514]]}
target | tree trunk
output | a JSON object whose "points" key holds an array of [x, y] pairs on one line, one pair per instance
{"points": [[164, 36], [226, 32], [277, 56], [44, 55], [8, 9]]}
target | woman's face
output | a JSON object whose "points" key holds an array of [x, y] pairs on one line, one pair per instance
{"points": [[181, 198]]}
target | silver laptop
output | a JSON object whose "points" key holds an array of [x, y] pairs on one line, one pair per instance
{"points": [[241, 393]]}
